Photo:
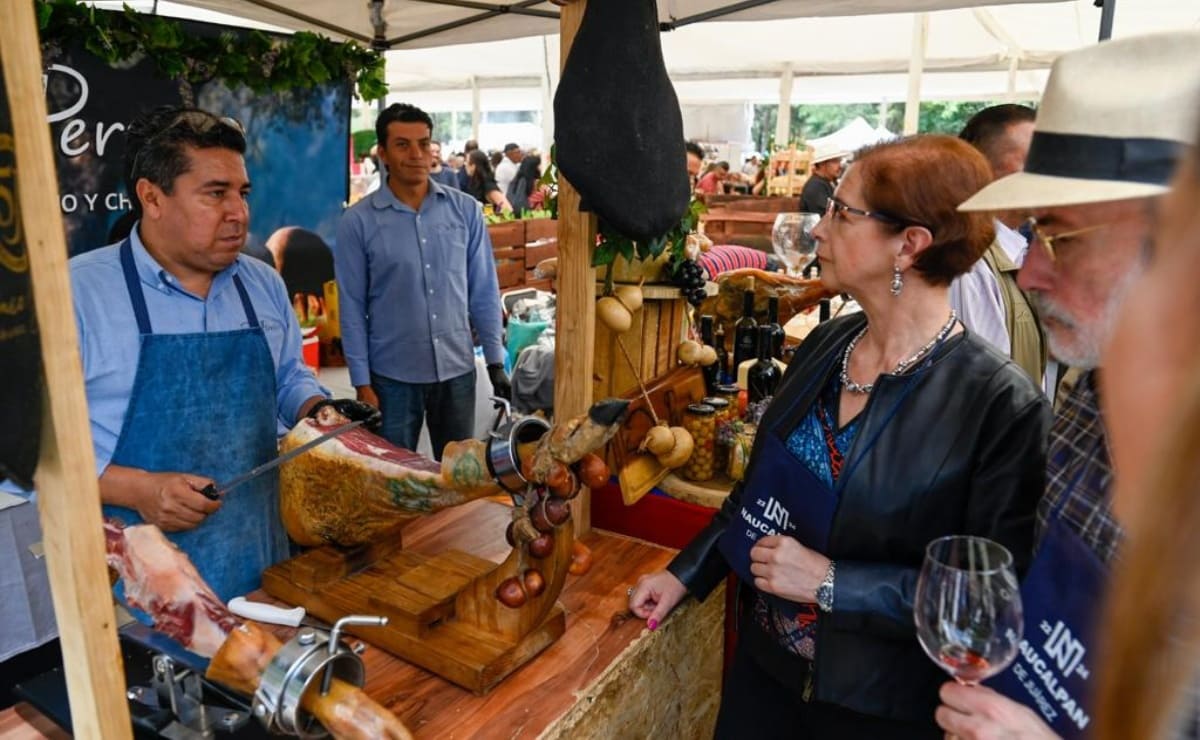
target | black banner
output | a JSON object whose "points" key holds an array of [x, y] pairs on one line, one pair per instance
{"points": [[297, 142], [20, 354]]}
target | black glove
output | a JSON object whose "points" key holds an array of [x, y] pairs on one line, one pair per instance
{"points": [[500, 385], [352, 410]]}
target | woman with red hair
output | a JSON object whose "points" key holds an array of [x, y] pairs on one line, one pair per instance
{"points": [[891, 428]]}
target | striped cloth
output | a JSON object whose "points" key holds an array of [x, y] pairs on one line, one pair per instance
{"points": [[727, 257]]}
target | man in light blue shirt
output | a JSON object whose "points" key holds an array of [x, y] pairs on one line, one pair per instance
{"points": [[191, 362], [415, 275]]}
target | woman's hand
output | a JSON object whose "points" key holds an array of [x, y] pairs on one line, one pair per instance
{"points": [[785, 568], [979, 713], [655, 595]]}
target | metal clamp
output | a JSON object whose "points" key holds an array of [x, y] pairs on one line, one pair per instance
{"points": [[179, 690], [310, 655]]}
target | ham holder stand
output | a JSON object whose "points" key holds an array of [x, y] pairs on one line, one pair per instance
{"points": [[446, 612]]}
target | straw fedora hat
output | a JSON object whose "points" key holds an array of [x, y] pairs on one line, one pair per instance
{"points": [[826, 153], [1114, 119]]}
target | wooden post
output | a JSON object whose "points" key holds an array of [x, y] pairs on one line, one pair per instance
{"points": [[576, 327], [67, 488]]}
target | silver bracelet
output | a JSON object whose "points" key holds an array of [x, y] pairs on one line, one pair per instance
{"points": [[825, 590]]}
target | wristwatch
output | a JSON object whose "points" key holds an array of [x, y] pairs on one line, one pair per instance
{"points": [[825, 590]]}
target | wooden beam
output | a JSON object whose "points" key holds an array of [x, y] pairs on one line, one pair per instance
{"points": [[575, 336], [67, 487]]}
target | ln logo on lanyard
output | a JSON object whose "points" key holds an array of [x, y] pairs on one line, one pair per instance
{"points": [[1044, 671]]}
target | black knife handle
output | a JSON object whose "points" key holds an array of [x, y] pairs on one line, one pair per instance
{"points": [[210, 492]]}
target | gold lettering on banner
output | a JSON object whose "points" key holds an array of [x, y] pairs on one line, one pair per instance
{"points": [[12, 256], [13, 333], [14, 306]]}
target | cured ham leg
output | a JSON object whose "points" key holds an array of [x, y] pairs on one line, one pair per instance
{"points": [[795, 294], [356, 487], [161, 581]]}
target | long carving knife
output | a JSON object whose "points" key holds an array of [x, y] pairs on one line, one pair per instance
{"points": [[214, 491]]}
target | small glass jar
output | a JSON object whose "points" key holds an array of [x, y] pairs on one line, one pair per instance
{"points": [[700, 421], [730, 393], [725, 413], [739, 451]]}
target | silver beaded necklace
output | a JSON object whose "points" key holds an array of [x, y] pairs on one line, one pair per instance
{"points": [[901, 366]]}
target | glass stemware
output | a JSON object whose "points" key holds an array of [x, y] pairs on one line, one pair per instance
{"points": [[968, 607], [792, 239]]}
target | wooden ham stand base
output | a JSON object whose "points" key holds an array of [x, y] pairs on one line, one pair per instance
{"points": [[442, 610]]}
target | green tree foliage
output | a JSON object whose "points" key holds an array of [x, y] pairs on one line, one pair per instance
{"points": [[259, 61], [815, 121]]}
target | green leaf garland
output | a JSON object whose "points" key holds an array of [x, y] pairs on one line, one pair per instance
{"points": [[257, 60]]}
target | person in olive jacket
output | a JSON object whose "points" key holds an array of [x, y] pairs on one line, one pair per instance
{"points": [[891, 428]]}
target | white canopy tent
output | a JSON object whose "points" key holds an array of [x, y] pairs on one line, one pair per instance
{"points": [[412, 24], [463, 55], [992, 52]]}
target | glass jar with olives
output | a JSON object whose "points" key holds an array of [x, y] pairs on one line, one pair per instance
{"points": [[725, 413], [700, 421]]}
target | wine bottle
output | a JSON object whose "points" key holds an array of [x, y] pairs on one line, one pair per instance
{"points": [[777, 335], [722, 354], [745, 341], [764, 375], [712, 373]]}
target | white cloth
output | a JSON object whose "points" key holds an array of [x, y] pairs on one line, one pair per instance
{"points": [[505, 172], [26, 609], [977, 298]]}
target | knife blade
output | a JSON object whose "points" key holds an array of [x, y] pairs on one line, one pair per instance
{"points": [[214, 491]]}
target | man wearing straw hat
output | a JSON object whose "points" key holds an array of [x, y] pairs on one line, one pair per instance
{"points": [[826, 169], [1113, 122]]}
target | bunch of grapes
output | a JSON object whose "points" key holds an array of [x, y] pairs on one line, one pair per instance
{"points": [[689, 276]]}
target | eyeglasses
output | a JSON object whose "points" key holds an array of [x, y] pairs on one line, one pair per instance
{"points": [[1048, 241], [833, 205]]}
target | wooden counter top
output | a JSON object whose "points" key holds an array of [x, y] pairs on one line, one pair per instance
{"points": [[606, 677], [583, 679], [711, 493]]}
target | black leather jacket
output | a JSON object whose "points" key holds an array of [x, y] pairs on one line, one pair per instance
{"points": [[964, 453]]}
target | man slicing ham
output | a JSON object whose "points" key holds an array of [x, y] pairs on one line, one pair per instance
{"points": [[192, 364], [191, 353]]}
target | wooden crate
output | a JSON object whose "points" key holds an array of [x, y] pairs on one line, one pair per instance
{"points": [[507, 234], [651, 342], [537, 251], [510, 266], [540, 228]]}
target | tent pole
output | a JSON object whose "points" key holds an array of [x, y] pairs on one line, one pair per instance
{"points": [[549, 83], [916, 65], [476, 115], [783, 119], [1108, 11], [575, 334]]}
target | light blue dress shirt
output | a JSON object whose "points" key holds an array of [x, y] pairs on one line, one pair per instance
{"points": [[109, 340], [411, 284]]}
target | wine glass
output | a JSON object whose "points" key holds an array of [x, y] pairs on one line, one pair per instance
{"points": [[968, 607], [792, 239]]}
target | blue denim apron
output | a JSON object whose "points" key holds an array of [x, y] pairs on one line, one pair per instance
{"points": [[1061, 595], [204, 403]]}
